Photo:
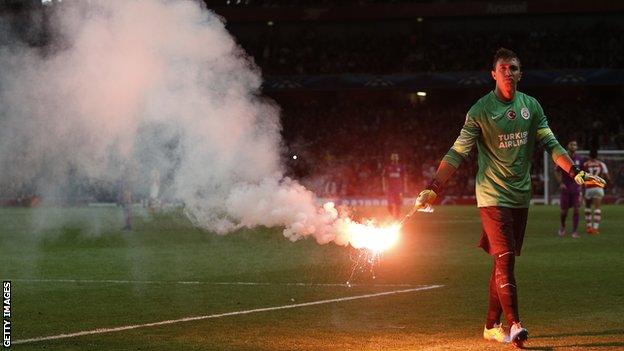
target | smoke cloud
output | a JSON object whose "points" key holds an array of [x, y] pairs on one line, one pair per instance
{"points": [[127, 87]]}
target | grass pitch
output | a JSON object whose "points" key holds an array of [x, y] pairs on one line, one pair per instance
{"points": [[74, 270]]}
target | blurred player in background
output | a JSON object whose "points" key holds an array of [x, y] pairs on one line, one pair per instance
{"points": [[570, 192], [154, 199], [505, 125], [593, 193], [126, 203], [126, 190], [394, 184]]}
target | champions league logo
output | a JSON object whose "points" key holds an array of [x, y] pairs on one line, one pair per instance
{"points": [[511, 114]]}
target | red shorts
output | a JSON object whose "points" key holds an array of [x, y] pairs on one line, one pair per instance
{"points": [[503, 229]]}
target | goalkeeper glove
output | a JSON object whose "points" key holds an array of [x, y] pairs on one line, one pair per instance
{"points": [[581, 177], [427, 197]]}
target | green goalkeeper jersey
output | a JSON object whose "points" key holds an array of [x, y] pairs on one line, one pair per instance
{"points": [[505, 134]]}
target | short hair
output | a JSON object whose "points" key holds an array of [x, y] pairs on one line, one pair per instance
{"points": [[505, 54], [593, 153]]}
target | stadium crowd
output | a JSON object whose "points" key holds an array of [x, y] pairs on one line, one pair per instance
{"points": [[311, 3], [343, 144], [309, 51]]}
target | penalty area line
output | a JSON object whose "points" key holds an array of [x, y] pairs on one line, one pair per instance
{"points": [[221, 315]]}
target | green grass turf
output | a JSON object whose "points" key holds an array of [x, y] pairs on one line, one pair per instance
{"points": [[571, 291]]}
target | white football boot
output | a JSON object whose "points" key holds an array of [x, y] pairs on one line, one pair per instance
{"points": [[518, 335]]}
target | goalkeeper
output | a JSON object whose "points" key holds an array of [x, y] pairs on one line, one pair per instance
{"points": [[505, 125]]}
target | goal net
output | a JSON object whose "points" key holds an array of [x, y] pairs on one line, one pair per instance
{"points": [[546, 189]]}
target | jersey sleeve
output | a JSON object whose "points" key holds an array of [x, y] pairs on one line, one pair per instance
{"points": [[605, 170], [545, 136], [465, 141]]}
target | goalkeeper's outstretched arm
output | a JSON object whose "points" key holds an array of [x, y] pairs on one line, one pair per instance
{"points": [[563, 160], [426, 197], [444, 172], [579, 175], [462, 147]]}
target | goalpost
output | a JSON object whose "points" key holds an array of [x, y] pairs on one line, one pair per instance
{"points": [[614, 159]]}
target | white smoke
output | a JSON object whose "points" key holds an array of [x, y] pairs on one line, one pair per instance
{"points": [[131, 86]]}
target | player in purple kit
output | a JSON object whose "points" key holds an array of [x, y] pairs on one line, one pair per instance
{"points": [[394, 184], [570, 193]]}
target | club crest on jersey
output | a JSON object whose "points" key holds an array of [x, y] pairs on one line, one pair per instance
{"points": [[525, 113], [511, 114]]}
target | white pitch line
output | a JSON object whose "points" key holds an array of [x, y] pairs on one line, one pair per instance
{"points": [[118, 281], [227, 314]]}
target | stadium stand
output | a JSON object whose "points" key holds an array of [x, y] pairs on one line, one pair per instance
{"points": [[346, 140], [343, 136]]}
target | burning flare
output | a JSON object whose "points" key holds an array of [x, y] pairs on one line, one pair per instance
{"points": [[370, 241], [368, 236], [362, 236]]}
